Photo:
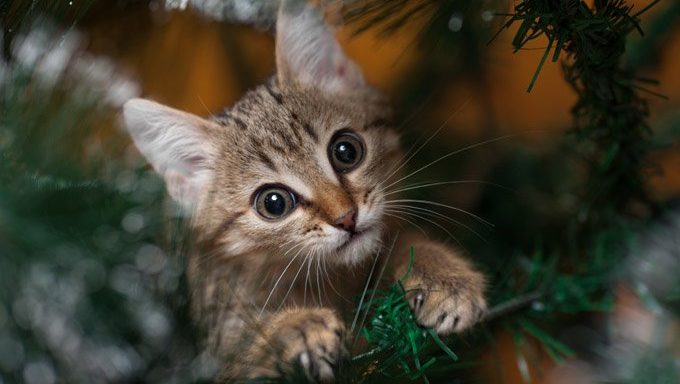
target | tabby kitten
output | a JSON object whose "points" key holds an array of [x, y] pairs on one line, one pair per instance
{"points": [[287, 196]]}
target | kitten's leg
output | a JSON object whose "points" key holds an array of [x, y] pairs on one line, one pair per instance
{"points": [[445, 292], [310, 339]]}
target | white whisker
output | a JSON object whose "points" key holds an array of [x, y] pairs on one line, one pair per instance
{"points": [[330, 282], [318, 280], [389, 202], [292, 283], [416, 215], [363, 294], [471, 146], [435, 133], [291, 248], [405, 219], [412, 187], [432, 213], [375, 286], [309, 265], [278, 281]]}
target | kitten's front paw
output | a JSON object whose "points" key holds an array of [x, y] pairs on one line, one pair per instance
{"points": [[447, 304], [311, 340]]}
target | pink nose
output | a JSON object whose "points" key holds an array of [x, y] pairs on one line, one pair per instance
{"points": [[347, 221]]}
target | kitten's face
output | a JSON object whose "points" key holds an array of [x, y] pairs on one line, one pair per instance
{"points": [[296, 168], [298, 173]]}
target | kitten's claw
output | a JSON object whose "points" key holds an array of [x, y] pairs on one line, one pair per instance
{"points": [[312, 341], [417, 301], [447, 311], [447, 306]]}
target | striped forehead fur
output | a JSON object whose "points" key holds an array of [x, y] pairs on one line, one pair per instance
{"points": [[275, 122]]}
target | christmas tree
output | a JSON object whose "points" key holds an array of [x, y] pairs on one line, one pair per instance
{"points": [[91, 267]]}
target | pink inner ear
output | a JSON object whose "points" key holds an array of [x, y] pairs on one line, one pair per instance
{"points": [[175, 182], [183, 188]]}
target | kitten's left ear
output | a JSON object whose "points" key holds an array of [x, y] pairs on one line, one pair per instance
{"points": [[307, 52]]}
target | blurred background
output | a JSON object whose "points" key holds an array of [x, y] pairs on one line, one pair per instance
{"points": [[91, 277]]}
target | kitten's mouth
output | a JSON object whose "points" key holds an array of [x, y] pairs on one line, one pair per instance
{"points": [[353, 238]]}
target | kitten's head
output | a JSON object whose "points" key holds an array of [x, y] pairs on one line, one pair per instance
{"points": [[296, 167]]}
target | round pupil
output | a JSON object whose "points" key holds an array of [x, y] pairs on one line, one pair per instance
{"points": [[345, 152], [275, 203]]}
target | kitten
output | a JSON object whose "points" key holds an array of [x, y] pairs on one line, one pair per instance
{"points": [[287, 197]]}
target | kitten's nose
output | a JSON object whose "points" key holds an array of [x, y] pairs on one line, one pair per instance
{"points": [[347, 221]]}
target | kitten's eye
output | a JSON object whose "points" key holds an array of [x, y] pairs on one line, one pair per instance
{"points": [[346, 151], [274, 202]]}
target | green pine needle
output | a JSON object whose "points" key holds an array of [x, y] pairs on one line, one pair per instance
{"points": [[394, 336]]}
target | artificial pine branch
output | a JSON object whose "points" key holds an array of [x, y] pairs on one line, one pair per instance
{"points": [[610, 115], [515, 304]]}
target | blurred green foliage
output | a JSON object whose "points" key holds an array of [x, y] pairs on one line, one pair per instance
{"points": [[91, 286]]}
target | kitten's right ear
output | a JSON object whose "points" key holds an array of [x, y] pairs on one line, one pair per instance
{"points": [[307, 52], [177, 144]]}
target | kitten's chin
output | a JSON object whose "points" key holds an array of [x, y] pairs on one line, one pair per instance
{"points": [[359, 247]]}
